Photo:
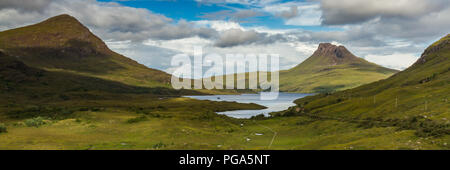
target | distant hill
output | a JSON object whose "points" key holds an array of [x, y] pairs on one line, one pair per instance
{"points": [[331, 68], [63, 44], [416, 98]]}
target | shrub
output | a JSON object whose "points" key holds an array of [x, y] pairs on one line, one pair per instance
{"points": [[207, 116], [35, 122], [159, 145], [137, 119], [64, 97], [96, 109], [44, 111], [259, 117], [3, 128], [83, 109]]}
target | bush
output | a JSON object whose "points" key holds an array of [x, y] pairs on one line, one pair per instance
{"points": [[35, 122], [137, 119], [259, 117], [210, 115], [3, 128], [96, 109], [159, 145], [56, 113]]}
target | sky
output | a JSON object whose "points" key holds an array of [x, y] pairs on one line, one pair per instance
{"points": [[390, 33]]}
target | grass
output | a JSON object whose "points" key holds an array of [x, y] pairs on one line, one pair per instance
{"points": [[3, 128], [137, 119], [183, 123], [336, 79], [34, 122], [188, 129]]}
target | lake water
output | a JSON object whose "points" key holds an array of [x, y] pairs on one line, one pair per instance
{"points": [[284, 101]]}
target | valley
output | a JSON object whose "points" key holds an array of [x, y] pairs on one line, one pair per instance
{"points": [[61, 87]]}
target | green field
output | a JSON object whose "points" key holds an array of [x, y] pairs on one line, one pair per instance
{"points": [[181, 123]]}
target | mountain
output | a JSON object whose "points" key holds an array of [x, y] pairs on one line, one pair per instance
{"points": [[414, 99], [331, 68], [20, 83], [63, 44]]}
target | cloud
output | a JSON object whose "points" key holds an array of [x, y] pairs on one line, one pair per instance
{"points": [[288, 14], [234, 37], [149, 55], [237, 15], [397, 61], [25, 5], [237, 37], [297, 13], [355, 11], [219, 25]]}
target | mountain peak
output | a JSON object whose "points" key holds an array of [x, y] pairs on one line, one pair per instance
{"points": [[326, 45], [334, 55], [64, 21], [57, 32], [62, 17]]}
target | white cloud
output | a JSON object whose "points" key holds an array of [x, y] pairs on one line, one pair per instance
{"points": [[355, 11], [297, 13], [397, 61], [309, 15], [149, 55], [219, 25], [234, 37], [185, 45]]}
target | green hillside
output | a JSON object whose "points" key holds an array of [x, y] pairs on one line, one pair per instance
{"points": [[63, 44], [20, 83], [414, 99], [331, 68]]}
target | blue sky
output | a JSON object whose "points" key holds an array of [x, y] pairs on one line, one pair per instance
{"points": [[193, 11], [386, 32]]}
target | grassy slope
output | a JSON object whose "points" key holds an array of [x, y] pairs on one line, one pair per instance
{"points": [[18, 82], [325, 72], [414, 99], [335, 78], [63, 44]]}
